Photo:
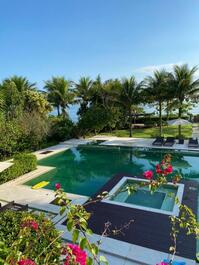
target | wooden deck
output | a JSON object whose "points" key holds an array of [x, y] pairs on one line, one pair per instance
{"points": [[151, 230]]}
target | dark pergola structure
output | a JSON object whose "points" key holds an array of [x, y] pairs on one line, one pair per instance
{"points": [[14, 207]]}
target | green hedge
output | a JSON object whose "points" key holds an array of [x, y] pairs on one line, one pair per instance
{"points": [[155, 119], [23, 163]]}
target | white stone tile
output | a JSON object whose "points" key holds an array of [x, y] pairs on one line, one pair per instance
{"points": [[114, 260], [5, 165], [129, 262]]}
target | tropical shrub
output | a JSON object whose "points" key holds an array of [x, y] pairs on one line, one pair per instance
{"points": [[36, 102], [60, 128], [10, 133], [27, 236], [23, 163], [25, 133], [96, 118], [34, 131]]}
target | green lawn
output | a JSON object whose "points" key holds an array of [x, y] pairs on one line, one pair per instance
{"points": [[152, 132]]}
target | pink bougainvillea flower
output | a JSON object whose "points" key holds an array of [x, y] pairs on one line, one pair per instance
{"points": [[57, 186], [77, 252], [169, 169], [26, 262], [165, 172], [148, 174], [162, 263], [158, 169], [31, 224]]}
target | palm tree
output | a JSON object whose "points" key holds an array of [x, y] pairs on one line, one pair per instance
{"points": [[184, 86], [96, 91], [130, 96], [59, 93], [83, 93], [21, 83], [156, 90]]}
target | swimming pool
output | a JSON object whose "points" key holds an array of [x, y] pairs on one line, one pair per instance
{"points": [[85, 169]]}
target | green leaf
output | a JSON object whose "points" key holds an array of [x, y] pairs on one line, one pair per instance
{"points": [[62, 210], [104, 260], [89, 261], [69, 225], [83, 243], [75, 235], [89, 232], [94, 250]]}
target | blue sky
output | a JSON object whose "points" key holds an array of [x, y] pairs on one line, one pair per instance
{"points": [[114, 38]]}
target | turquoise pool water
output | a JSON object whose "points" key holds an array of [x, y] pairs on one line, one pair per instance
{"points": [[163, 198], [85, 169]]}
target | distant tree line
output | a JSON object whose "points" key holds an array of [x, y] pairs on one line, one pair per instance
{"points": [[26, 123]]}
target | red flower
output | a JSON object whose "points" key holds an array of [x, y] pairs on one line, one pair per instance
{"points": [[163, 162], [148, 174], [165, 172], [158, 169], [31, 224], [57, 186], [77, 252], [26, 262], [169, 169]]}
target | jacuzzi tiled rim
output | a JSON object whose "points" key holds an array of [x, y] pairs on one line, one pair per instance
{"points": [[123, 181]]}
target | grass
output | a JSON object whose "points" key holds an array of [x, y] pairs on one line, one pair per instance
{"points": [[152, 132]]}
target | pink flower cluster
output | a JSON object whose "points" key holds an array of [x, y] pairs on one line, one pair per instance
{"points": [[148, 174], [57, 186], [162, 263], [164, 168], [77, 252], [31, 224], [26, 262]]}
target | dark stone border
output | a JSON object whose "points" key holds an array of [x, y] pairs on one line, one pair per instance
{"points": [[45, 152], [151, 230]]}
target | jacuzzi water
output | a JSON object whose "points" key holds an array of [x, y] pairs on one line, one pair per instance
{"points": [[163, 198]]}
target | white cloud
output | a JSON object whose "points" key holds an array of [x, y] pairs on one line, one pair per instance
{"points": [[151, 68]]}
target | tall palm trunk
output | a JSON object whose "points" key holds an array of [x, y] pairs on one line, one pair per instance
{"points": [[64, 113], [58, 110], [160, 116]]}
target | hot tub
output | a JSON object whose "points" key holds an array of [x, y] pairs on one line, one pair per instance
{"points": [[161, 201]]}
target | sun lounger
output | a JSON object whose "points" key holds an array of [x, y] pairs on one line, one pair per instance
{"points": [[159, 141], [193, 143], [170, 141]]}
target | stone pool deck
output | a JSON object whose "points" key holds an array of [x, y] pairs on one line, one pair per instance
{"points": [[5, 165], [140, 142], [40, 199]]}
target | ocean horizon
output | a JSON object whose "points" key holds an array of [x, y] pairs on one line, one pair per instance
{"points": [[73, 109]]}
